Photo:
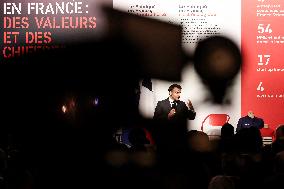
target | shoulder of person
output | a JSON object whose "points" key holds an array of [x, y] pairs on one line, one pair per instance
{"points": [[258, 118], [181, 102], [162, 101], [243, 118], [165, 100]]}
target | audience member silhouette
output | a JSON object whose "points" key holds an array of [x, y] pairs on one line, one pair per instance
{"points": [[278, 143], [227, 140]]}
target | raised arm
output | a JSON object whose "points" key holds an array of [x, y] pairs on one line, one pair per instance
{"points": [[191, 114]]}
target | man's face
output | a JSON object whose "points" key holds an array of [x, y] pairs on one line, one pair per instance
{"points": [[175, 93]]}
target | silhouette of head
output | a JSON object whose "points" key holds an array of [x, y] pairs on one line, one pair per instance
{"points": [[280, 132], [227, 130]]}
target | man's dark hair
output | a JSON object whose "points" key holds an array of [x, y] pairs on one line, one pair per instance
{"points": [[173, 86]]}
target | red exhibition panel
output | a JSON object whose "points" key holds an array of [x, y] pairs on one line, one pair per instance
{"points": [[262, 82]]}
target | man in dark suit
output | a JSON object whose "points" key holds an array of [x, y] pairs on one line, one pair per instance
{"points": [[170, 131], [172, 109]]}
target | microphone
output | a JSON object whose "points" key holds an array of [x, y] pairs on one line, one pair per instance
{"points": [[174, 105]]}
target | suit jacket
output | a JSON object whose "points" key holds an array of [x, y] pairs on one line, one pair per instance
{"points": [[171, 133], [182, 112]]}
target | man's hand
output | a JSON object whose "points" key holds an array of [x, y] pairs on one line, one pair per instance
{"points": [[189, 105], [171, 113]]}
